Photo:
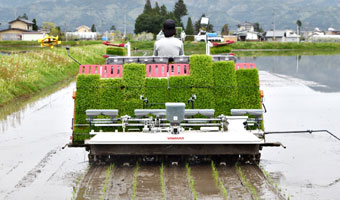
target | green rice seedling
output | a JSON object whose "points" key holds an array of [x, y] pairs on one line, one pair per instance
{"points": [[107, 178], [218, 181], [134, 182], [247, 183], [162, 181], [191, 181]]}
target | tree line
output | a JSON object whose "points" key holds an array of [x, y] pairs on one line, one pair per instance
{"points": [[152, 18]]}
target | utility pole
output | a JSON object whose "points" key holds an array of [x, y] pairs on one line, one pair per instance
{"points": [[15, 13], [124, 22], [274, 38]]}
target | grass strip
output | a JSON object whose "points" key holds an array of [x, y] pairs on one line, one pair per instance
{"points": [[134, 182], [218, 181], [162, 181], [191, 181], [107, 178], [246, 182]]}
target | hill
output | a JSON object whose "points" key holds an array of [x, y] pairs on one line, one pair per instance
{"points": [[70, 14]]}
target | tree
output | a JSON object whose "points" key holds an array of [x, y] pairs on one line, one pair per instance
{"points": [[180, 10], [147, 23], [93, 28], [157, 9], [225, 30], [258, 28], [48, 26], [164, 11], [113, 28], [35, 26], [147, 7], [299, 24], [24, 16], [55, 31], [189, 30]]}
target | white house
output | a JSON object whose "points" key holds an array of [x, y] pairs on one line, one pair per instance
{"points": [[282, 36], [32, 36], [246, 26]]}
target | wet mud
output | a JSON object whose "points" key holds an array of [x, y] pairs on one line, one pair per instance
{"points": [[232, 182], [205, 184], [149, 183], [176, 183], [264, 189], [120, 183], [93, 183]]}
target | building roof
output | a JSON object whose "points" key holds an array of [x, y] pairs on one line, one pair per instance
{"points": [[83, 26], [22, 20], [278, 33], [245, 24], [16, 29], [33, 33]]}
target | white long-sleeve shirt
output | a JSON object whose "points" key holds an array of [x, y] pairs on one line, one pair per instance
{"points": [[170, 46]]}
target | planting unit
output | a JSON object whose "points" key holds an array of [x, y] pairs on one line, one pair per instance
{"points": [[160, 108]]}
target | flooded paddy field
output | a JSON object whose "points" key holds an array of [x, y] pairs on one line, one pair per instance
{"points": [[300, 94]]}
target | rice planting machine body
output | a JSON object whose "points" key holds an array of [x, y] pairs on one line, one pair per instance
{"points": [[188, 120]]}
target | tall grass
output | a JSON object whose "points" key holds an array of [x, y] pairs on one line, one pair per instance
{"points": [[25, 74]]}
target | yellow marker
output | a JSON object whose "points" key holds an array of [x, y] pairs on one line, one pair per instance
{"points": [[49, 41]]}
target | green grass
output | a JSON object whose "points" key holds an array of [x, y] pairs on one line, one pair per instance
{"points": [[308, 46], [134, 182], [162, 181], [191, 181], [63, 43], [246, 182], [107, 178], [27, 73], [218, 181], [118, 51]]}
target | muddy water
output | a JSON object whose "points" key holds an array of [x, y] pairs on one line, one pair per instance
{"points": [[205, 184], [92, 185], [176, 183], [264, 189], [120, 183], [149, 183], [232, 182], [302, 93], [33, 164]]}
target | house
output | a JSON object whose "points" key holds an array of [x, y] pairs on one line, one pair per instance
{"points": [[16, 29], [32, 36], [246, 26], [282, 36], [332, 31], [246, 32], [83, 29]]}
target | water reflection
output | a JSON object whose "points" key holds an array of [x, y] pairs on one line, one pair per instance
{"points": [[321, 69], [12, 114]]}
